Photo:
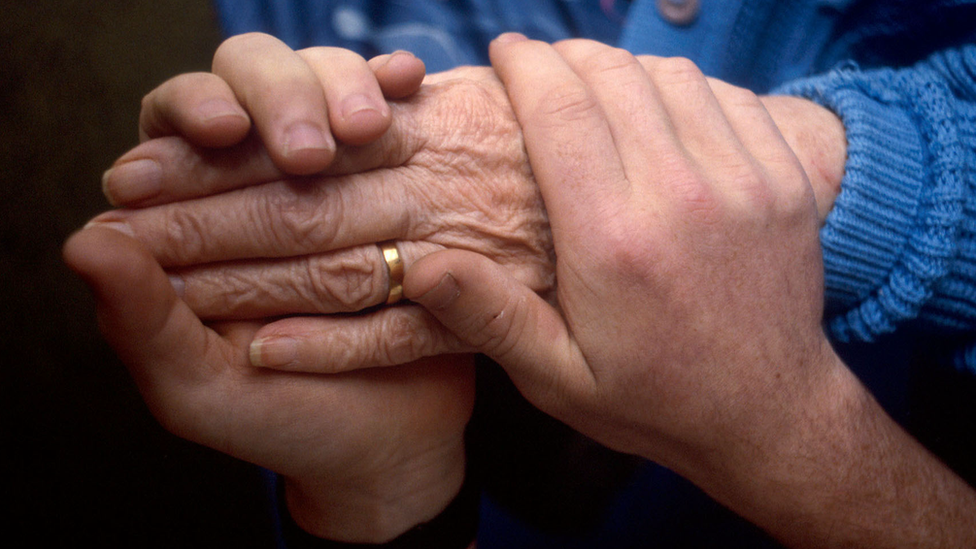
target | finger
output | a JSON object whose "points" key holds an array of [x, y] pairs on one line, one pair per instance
{"points": [[389, 336], [283, 96], [758, 133], [696, 116], [399, 74], [159, 339], [569, 141], [750, 121], [170, 169], [358, 113], [638, 121], [344, 281], [492, 312], [281, 219], [200, 107]]}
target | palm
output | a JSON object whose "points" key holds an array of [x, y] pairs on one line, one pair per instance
{"points": [[319, 426]]}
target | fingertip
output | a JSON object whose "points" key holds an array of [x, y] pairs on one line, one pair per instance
{"points": [[430, 281], [279, 353], [132, 294], [90, 248], [509, 38], [218, 108], [73, 251], [200, 107], [357, 111], [283, 98], [132, 181], [106, 255], [138, 311], [441, 295], [399, 74]]}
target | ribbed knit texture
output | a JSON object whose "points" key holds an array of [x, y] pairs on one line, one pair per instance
{"points": [[900, 244]]}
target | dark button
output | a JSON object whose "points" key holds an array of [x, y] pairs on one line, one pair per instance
{"points": [[679, 12]]}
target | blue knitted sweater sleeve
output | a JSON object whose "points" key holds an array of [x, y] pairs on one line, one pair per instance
{"points": [[900, 244]]}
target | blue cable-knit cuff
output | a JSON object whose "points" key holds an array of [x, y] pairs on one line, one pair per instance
{"points": [[890, 234], [873, 216]]}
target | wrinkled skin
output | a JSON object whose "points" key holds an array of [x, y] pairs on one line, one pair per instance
{"points": [[265, 249]]}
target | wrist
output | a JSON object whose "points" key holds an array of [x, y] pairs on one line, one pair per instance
{"points": [[787, 463], [838, 471], [377, 508]]}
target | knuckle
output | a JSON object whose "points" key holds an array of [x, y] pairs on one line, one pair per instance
{"points": [[613, 61], [680, 70], [796, 199], [589, 55], [690, 192], [403, 340], [752, 189], [570, 103], [497, 332], [294, 219], [739, 98], [626, 251], [328, 54], [349, 281], [183, 236]]}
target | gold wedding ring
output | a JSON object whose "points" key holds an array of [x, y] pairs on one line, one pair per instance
{"points": [[394, 268]]}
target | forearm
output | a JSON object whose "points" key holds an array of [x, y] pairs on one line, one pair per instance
{"points": [[846, 475]]}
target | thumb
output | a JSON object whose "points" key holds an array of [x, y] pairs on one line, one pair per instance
{"points": [[488, 309], [155, 334]]}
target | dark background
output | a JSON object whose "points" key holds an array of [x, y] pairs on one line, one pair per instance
{"points": [[84, 459]]}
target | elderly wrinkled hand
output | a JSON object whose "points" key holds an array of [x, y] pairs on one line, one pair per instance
{"points": [[449, 173]]}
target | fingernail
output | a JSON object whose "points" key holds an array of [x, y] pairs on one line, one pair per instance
{"points": [[132, 182], [119, 226], [511, 37], [217, 108], [179, 285], [399, 54], [304, 136], [442, 295], [273, 352], [355, 104]]}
